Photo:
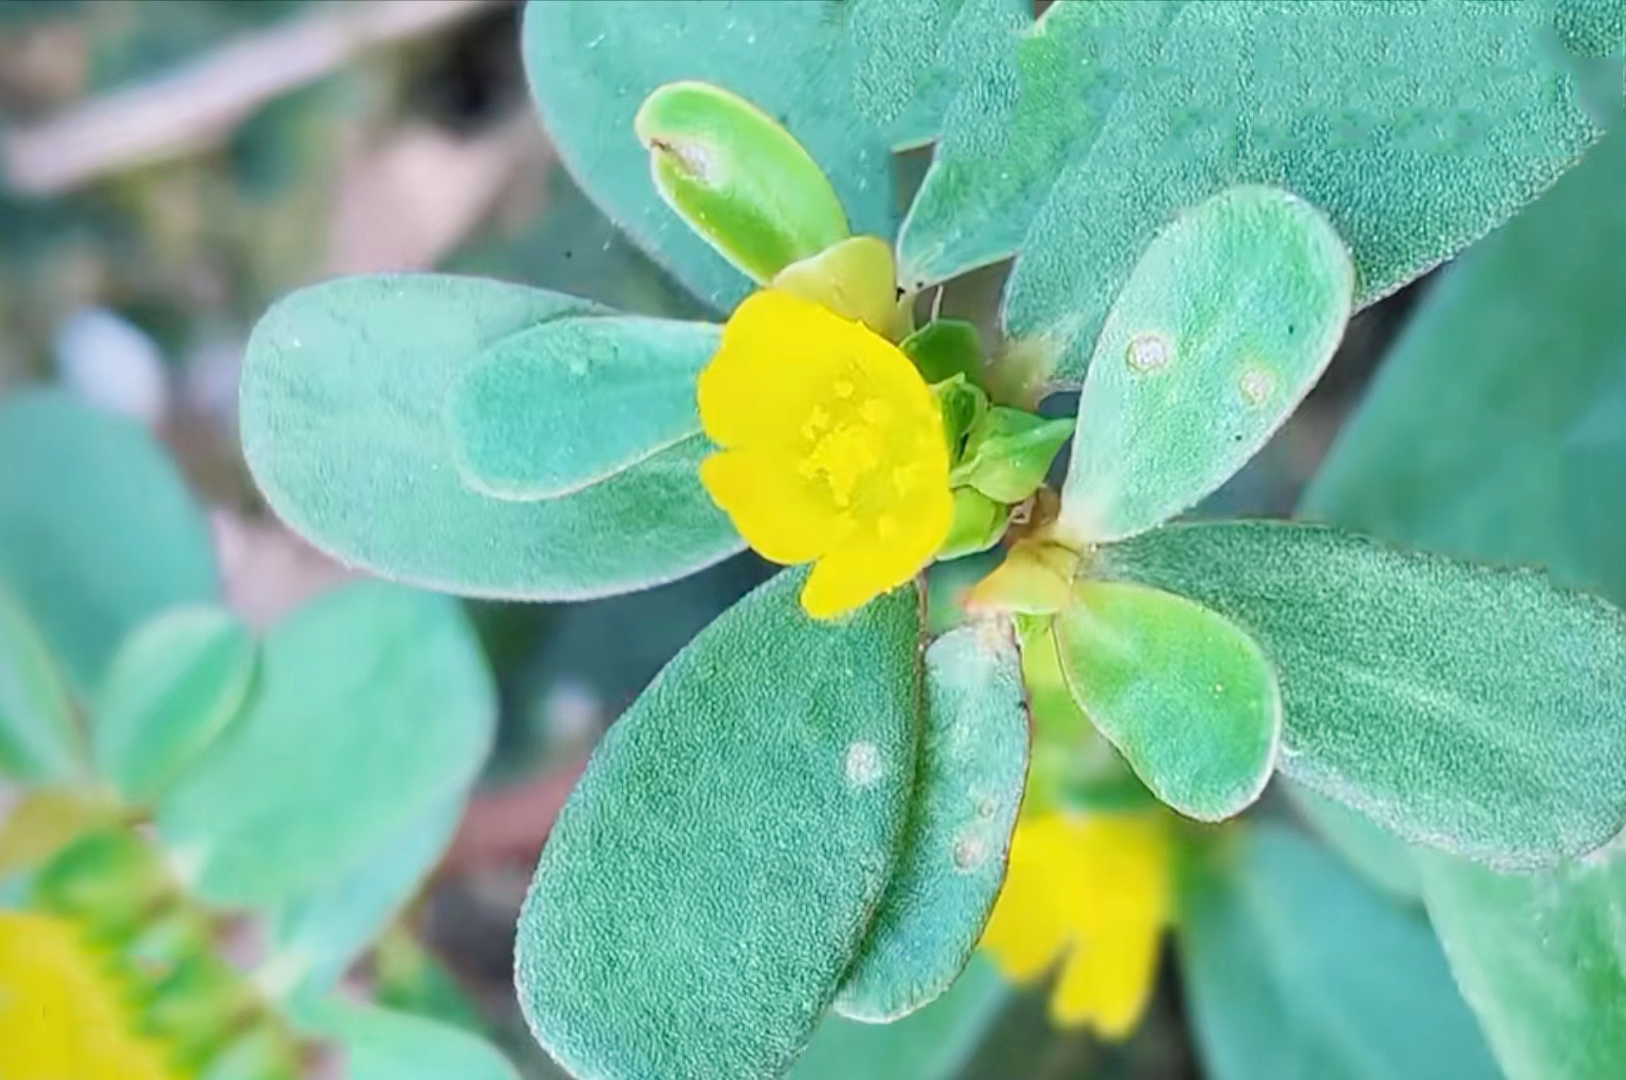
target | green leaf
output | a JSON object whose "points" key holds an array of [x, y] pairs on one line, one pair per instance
{"points": [[944, 348], [378, 1044], [1382, 857], [1295, 968], [968, 788], [979, 523], [1475, 709], [374, 706], [1415, 127], [714, 873], [1071, 764], [1036, 95], [1185, 696], [39, 737], [97, 532], [316, 937], [1008, 453], [1541, 958], [1494, 429], [343, 424], [172, 689], [850, 81], [932, 1044], [1228, 319], [574, 402], [741, 181]]}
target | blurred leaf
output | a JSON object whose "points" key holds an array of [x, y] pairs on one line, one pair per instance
{"points": [[1541, 958], [409, 978], [377, 1044], [44, 822], [318, 936], [1415, 127], [849, 80], [97, 530], [39, 735], [932, 1044], [968, 788], [1386, 860], [1185, 695], [1297, 968], [1227, 320], [1473, 708], [172, 689], [551, 411], [715, 871], [374, 707], [343, 426], [1497, 430]]}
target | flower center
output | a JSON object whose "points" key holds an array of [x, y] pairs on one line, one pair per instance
{"points": [[846, 440]]}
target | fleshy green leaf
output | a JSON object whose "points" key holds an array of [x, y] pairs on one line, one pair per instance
{"points": [[373, 707], [968, 789], [97, 532], [739, 179], [850, 80], [378, 1044], [932, 1044], [979, 523], [1226, 322], [343, 403], [1296, 968], [1415, 127], [574, 402], [1071, 764], [714, 873], [316, 937], [1037, 94], [39, 738], [1475, 709], [1009, 451], [172, 689], [1380, 855], [944, 348], [1185, 696], [1542, 959]]}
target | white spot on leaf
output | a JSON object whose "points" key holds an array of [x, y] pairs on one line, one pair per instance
{"points": [[1150, 352], [863, 764]]}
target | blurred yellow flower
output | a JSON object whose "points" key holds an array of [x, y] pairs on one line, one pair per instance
{"points": [[1095, 890], [62, 1016], [833, 449]]}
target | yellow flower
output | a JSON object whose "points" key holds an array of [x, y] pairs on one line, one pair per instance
{"points": [[833, 449], [62, 1017], [1095, 890]]}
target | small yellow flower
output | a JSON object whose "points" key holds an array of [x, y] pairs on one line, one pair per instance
{"points": [[833, 449], [1095, 890], [62, 1016]]}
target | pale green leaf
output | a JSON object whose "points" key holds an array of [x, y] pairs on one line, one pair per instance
{"points": [[1185, 696], [39, 735], [968, 788], [1386, 860], [1475, 709], [373, 706], [1228, 319], [380, 1044], [172, 689], [714, 873], [343, 424], [574, 402], [1541, 957], [1416, 127], [97, 530], [1295, 968]]}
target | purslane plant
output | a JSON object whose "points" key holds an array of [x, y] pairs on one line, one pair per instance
{"points": [[212, 826], [812, 807]]}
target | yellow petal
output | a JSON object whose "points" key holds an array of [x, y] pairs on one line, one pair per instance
{"points": [[1107, 979], [1028, 929], [879, 556], [781, 515], [778, 355], [61, 1015]]}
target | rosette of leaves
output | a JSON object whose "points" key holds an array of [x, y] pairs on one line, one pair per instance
{"points": [[187, 785], [1197, 196]]}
